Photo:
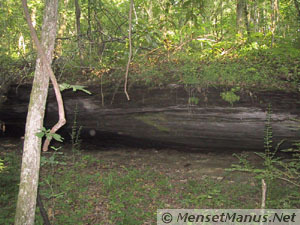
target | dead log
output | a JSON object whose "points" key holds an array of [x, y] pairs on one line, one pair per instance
{"points": [[168, 116]]}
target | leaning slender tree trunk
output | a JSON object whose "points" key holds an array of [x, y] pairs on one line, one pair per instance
{"points": [[26, 205], [130, 48]]}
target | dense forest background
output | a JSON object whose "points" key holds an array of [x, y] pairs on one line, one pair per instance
{"points": [[244, 43]]}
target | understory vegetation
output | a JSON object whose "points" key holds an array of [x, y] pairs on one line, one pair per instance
{"points": [[249, 66], [104, 188], [249, 44]]}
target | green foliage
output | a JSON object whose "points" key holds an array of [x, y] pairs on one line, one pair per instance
{"points": [[193, 100], [249, 69], [190, 42], [53, 160], [65, 86], [1, 165], [65, 191], [217, 194], [230, 96], [9, 180], [132, 191], [201, 31], [190, 74], [46, 132]]}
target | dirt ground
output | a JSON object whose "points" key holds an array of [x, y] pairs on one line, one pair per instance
{"points": [[175, 163], [180, 166]]}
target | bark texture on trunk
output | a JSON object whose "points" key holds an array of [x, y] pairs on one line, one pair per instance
{"points": [[240, 7], [78, 29], [26, 205]]}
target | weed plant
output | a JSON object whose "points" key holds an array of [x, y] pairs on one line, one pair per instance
{"points": [[275, 169], [75, 135]]}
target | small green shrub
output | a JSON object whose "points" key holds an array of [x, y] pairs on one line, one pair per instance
{"points": [[230, 96], [193, 101]]}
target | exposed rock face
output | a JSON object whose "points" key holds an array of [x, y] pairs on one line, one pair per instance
{"points": [[168, 116]]}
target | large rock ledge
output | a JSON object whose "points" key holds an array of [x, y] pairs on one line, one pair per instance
{"points": [[166, 116]]}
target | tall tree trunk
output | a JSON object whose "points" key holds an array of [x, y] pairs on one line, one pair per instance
{"points": [[99, 44], [297, 5], [247, 19], [262, 18], [242, 20], [78, 14], [62, 29], [274, 18], [240, 7], [89, 30], [33, 18], [255, 16], [26, 205], [221, 19]]}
